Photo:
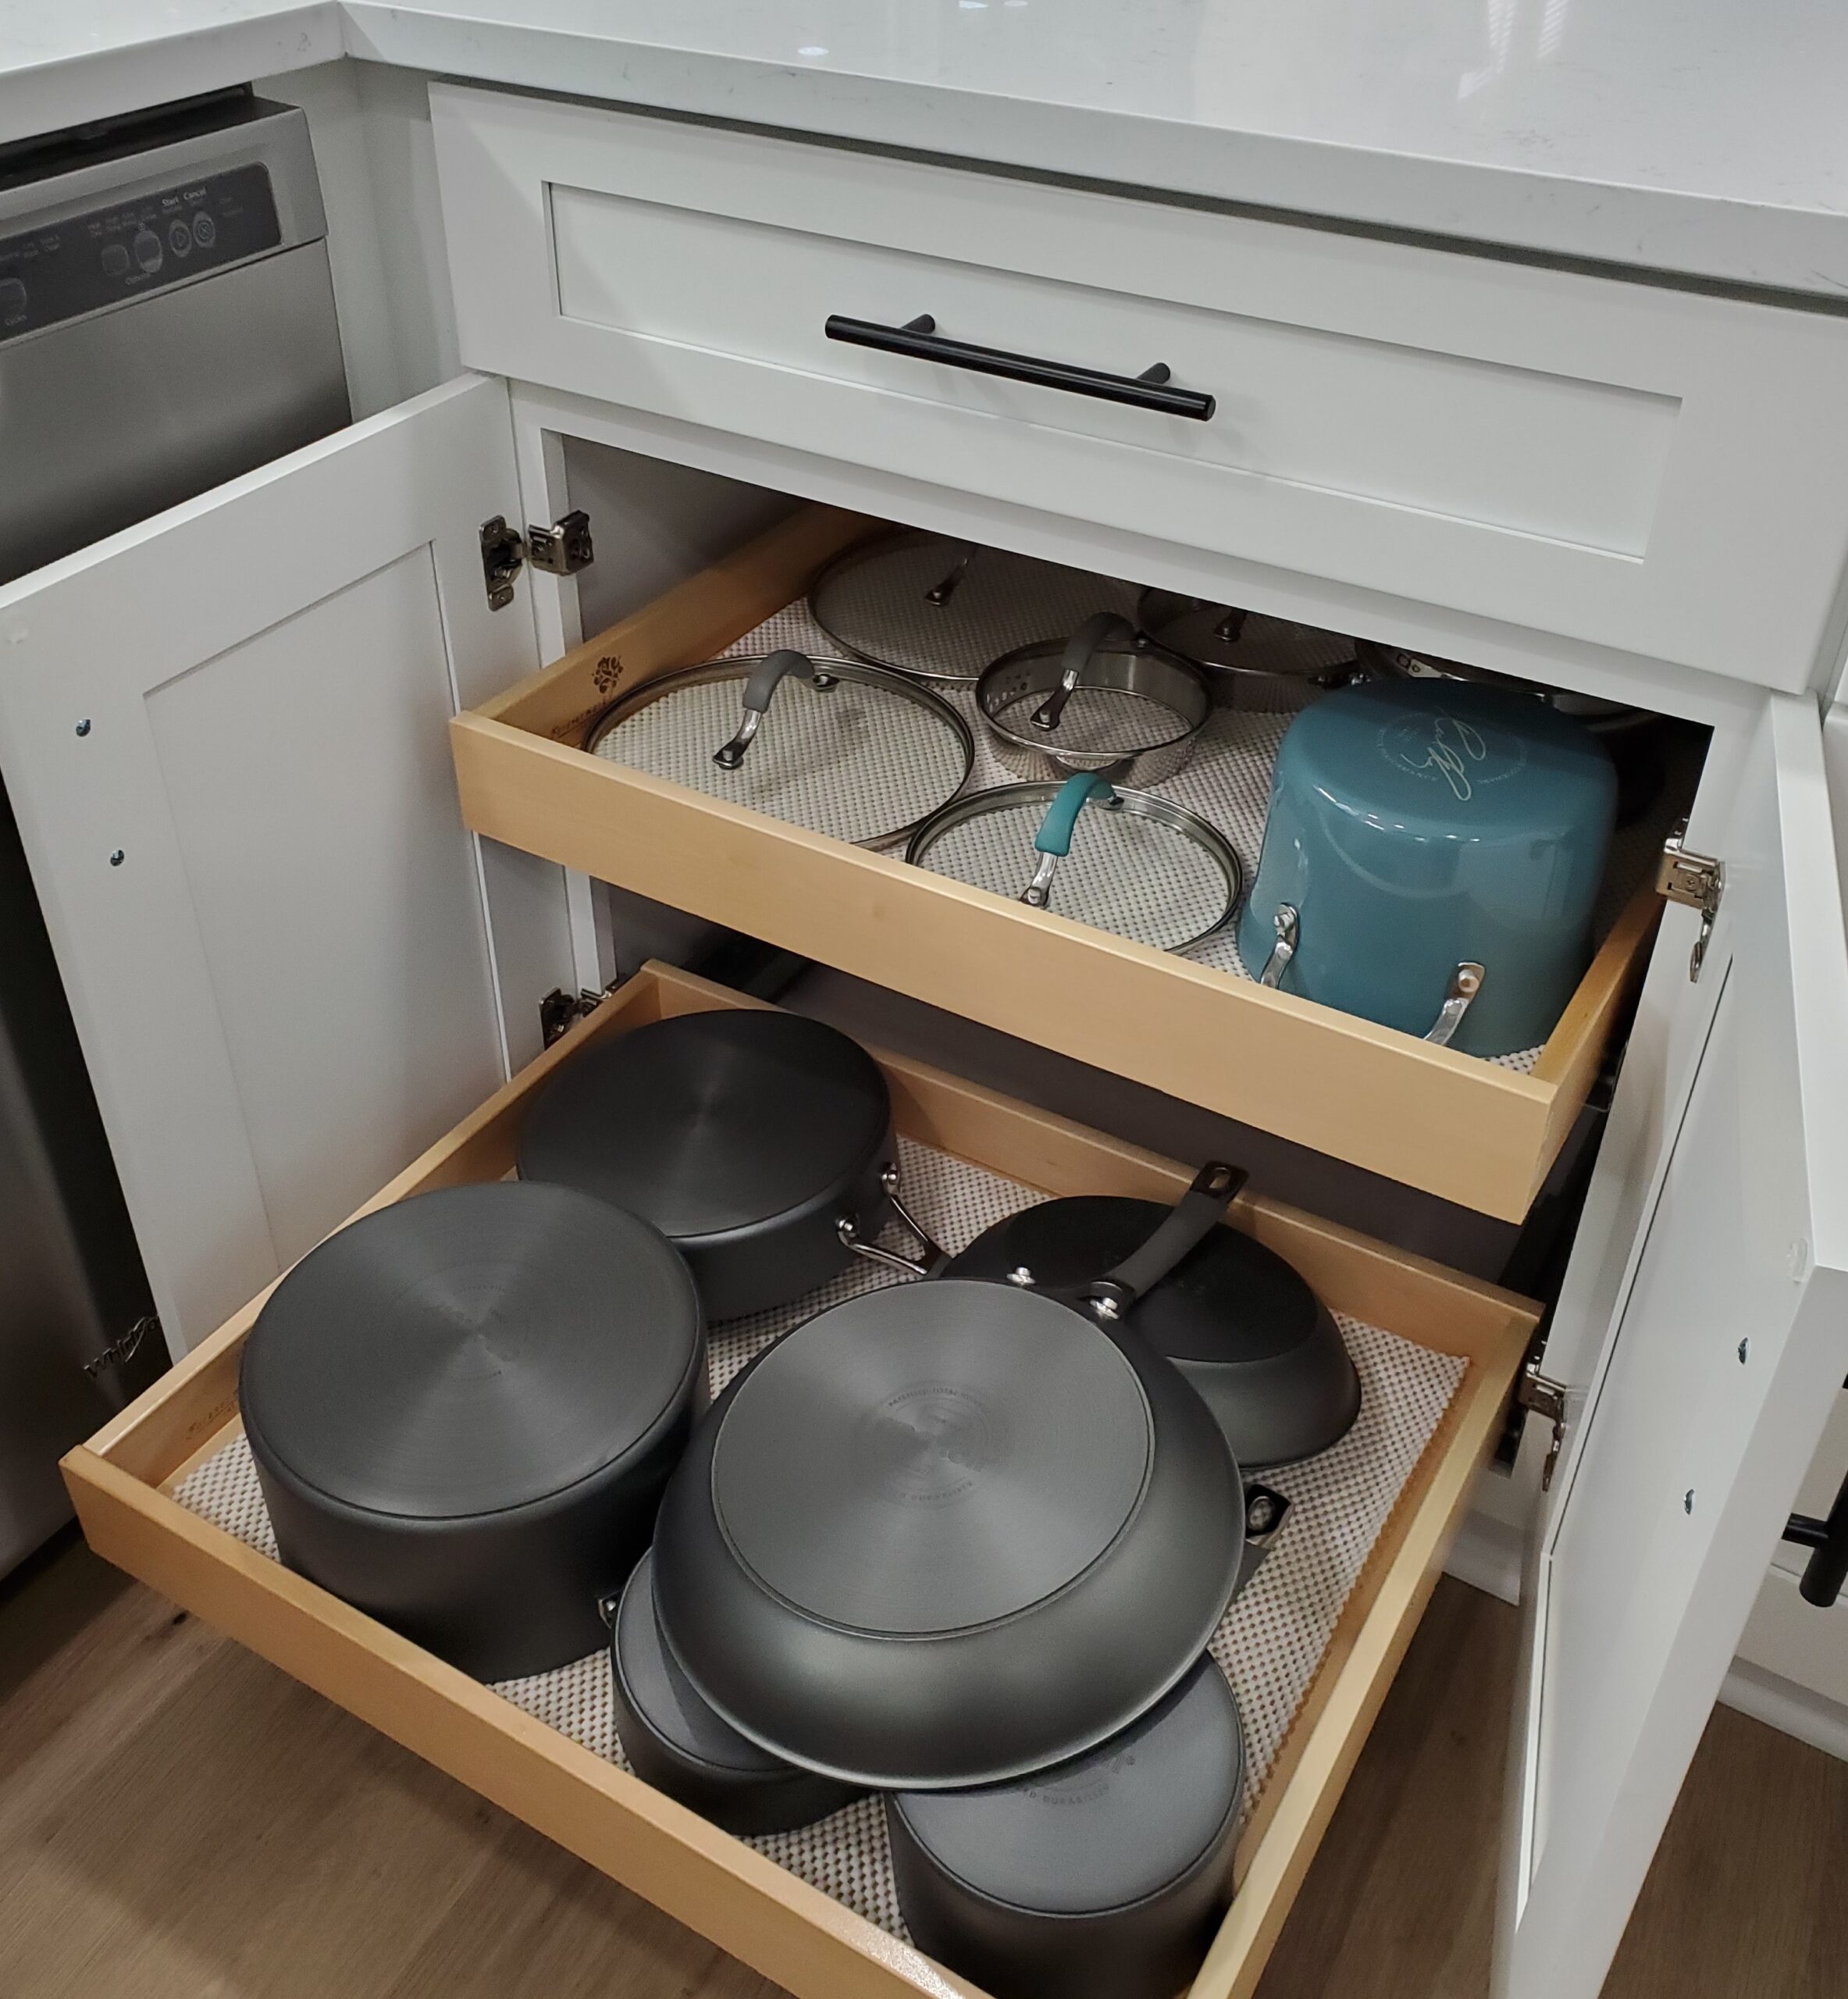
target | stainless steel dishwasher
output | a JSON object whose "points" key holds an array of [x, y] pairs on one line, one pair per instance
{"points": [[166, 321]]}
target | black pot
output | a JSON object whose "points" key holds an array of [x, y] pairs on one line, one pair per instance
{"points": [[675, 1742], [1102, 1879], [758, 1142], [1257, 1344], [463, 1409], [948, 1533]]}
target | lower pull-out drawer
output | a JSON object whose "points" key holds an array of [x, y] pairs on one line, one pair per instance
{"points": [[1310, 1648], [1480, 1133]]}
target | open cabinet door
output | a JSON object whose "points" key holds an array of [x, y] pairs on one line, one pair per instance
{"points": [[1724, 1358], [225, 736]]}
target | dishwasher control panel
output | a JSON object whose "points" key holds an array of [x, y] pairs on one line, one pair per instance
{"points": [[62, 269]]}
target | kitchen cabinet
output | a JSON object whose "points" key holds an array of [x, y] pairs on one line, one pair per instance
{"points": [[292, 965]]}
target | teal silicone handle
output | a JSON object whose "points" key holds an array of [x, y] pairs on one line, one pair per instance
{"points": [[1055, 834]]}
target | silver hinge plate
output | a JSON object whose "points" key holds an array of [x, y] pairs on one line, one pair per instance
{"points": [[1542, 1396], [561, 550], [564, 548], [118, 1353], [1697, 880], [559, 1011]]}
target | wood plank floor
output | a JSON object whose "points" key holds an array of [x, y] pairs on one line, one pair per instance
{"points": [[179, 1821]]}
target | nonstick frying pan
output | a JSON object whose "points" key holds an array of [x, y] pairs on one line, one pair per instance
{"points": [[947, 1534], [760, 1143], [1241, 1325]]}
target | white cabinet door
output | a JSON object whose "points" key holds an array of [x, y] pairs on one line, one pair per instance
{"points": [[1724, 1356], [224, 735]]}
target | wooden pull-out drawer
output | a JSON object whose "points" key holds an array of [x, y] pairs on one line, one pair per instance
{"points": [[124, 1483], [1622, 464], [1472, 1130]]}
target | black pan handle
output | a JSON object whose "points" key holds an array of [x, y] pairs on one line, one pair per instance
{"points": [[1153, 389], [1187, 1225]]}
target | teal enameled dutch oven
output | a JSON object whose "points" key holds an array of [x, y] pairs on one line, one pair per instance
{"points": [[1431, 860]]}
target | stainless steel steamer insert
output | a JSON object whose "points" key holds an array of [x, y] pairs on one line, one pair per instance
{"points": [[1105, 699], [840, 746], [942, 609]]}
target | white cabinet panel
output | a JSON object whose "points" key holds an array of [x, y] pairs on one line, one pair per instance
{"points": [[224, 735], [280, 817], [1725, 1358], [1618, 464]]}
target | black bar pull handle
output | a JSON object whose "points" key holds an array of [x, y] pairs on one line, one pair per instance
{"points": [[1153, 389], [1827, 1568]]}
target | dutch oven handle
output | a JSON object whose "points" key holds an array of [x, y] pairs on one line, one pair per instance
{"points": [[934, 1255], [1094, 632], [1188, 1224], [768, 675]]}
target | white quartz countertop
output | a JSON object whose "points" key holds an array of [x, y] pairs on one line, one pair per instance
{"points": [[1697, 136]]}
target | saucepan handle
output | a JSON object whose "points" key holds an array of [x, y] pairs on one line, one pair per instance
{"points": [[1094, 632], [934, 1255], [1182, 1230], [1053, 841], [768, 676]]}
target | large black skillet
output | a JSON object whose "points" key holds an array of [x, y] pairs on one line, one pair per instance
{"points": [[949, 1532]]}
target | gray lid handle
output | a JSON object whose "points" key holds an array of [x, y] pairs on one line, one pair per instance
{"points": [[768, 676], [1106, 627]]}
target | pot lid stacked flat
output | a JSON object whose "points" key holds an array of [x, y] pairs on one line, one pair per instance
{"points": [[861, 755], [942, 609]]}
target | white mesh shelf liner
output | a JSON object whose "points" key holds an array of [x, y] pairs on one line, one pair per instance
{"points": [[1227, 782], [1268, 1644]]}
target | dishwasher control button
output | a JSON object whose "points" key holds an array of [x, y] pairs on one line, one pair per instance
{"points": [[180, 238], [146, 247], [204, 231], [115, 260], [13, 302]]}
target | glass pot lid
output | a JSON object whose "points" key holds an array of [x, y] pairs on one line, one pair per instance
{"points": [[1126, 861], [931, 605], [1226, 640], [837, 746]]}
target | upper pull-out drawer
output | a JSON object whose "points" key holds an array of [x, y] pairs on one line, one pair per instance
{"points": [[1625, 464]]}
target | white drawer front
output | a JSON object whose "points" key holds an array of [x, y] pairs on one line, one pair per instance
{"points": [[1639, 467]]}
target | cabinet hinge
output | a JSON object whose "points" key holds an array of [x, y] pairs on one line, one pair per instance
{"points": [[1696, 879], [1541, 1396], [561, 550], [118, 1353], [559, 1011]]}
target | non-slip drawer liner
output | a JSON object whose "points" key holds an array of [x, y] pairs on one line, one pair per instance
{"points": [[1226, 781], [1270, 1643]]}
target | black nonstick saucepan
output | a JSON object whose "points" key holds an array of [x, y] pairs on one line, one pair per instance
{"points": [[760, 1143], [949, 1532]]}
